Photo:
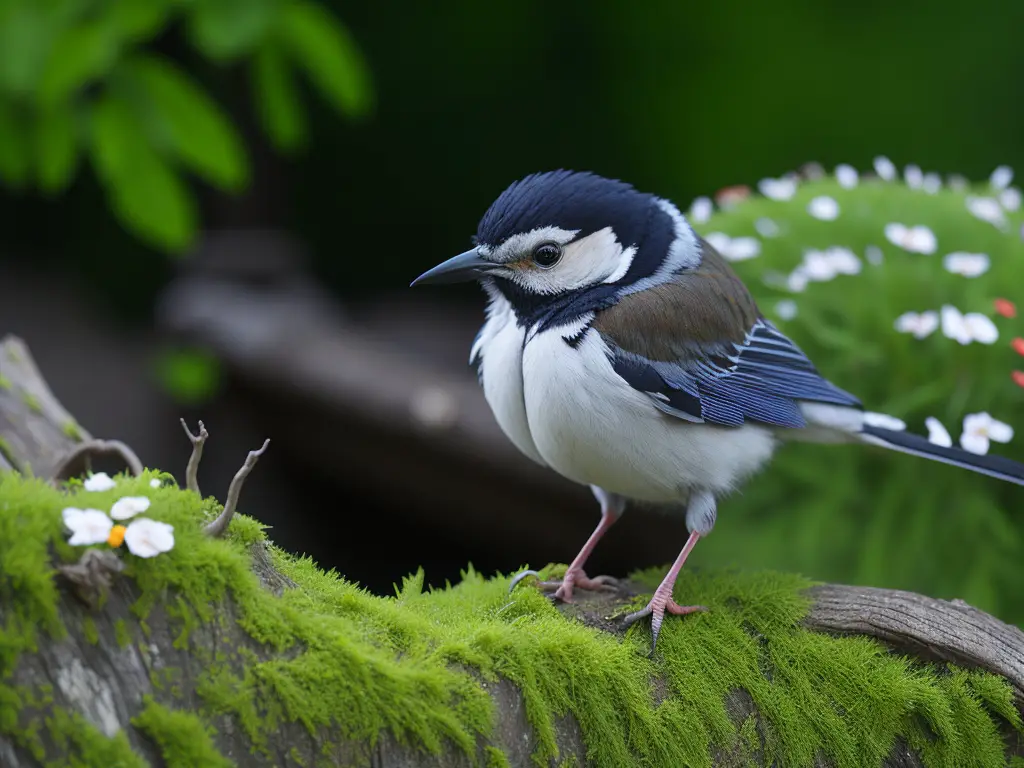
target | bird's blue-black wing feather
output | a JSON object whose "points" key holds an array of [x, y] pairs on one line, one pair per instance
{"points": [[764, 381]]}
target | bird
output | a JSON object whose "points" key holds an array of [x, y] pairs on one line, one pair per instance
{"points": [[623, 352]]}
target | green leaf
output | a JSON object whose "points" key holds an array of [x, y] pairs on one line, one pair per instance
{"points": [[200, 133], [138, 20], [79, 56], [323, 47], [144, 191], [191, 376], [24, 42], [227, 29], [14, 147], [277, 100], [56, 139]]}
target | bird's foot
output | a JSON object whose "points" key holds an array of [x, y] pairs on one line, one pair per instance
{"points": [[660, 604], [563, 588]]}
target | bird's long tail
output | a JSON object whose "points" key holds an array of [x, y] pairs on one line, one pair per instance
{"points": [[906, 442]]}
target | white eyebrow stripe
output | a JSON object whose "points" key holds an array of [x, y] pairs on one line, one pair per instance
{"points": [[523, 242]]}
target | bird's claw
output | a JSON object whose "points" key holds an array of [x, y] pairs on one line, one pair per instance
{"points": [[563, 588], [657, 609]]}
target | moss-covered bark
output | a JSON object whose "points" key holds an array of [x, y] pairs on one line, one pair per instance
{"points": [[226, 651]]}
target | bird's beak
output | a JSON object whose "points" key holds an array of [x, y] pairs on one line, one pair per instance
{"points": [[458, 269]]}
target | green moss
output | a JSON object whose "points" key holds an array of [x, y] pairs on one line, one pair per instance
{"points": [[72, 430], [411, 664], [495, 758], [5, 383], [7, 452], [81, 745], [184, 741], [32, 402], [90, 631], [122, 633]]}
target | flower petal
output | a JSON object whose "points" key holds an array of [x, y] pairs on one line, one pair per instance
{"points": [[1000, 432], [89, 527], [99, 481], [1005, 307], [966, 264], [884, 420], [1010, 198], [987, 209], [786, 309], [931, 183], [767, 227], [1001, 177], [884, 168], [154, 483], [148, 538], [938, 434], [953, 325], [874, 255], [847, 176], [981, 328], [913, 176], [974, 443], [701, 210], [129, 506], [778, 189], [823, 207]]}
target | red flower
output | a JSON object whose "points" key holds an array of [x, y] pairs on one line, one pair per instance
{"points": [[1018, 378], [1005, 308], [1018, 345]]}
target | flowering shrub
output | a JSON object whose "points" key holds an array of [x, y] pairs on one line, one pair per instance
{"points": [[903, 289]]}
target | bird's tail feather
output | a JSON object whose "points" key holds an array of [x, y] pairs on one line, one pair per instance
{"points": [[916, 445]]}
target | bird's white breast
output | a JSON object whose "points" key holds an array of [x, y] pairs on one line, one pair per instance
{"points": [[500, 347], [589, 425]]}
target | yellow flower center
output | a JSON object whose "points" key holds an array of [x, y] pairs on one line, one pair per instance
{"points": [[116, 537]]}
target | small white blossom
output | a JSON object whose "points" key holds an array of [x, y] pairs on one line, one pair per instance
{"points": [[987, 209], [884, 168], [884, 421], [937, 434], [100, 481], [966, 264], [969, 327], [1010, 199], [786, 309], [918, 239], [734, 248], [87, 526], [797, 280], [701, 210], [129, 506], [913, 176], [844, 261], [931, 183], [817, 266], [980, 429], [957, 182], [919, 324], [766, 227], [148, 538], [847, 176], [1001, 177], [874, 255], [823, 207], [154, 483], [778, 189]]}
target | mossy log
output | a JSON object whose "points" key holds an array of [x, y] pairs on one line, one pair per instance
{"points": [[226, 651]]}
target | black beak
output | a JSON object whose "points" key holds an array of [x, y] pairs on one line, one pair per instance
{"points": [[458, 269]]}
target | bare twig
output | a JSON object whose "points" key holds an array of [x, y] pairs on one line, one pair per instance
{"points": [[91, 575], [192, 470], [218, 526], [79, 458]]}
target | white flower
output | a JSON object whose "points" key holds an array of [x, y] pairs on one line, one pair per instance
{"points": [[701, 209], [979, 429], [844, 261], [1010, 198], [778, 189], [931, 183], [817, 266], [917, 239], [874, 255], [847, 176], [734, 248], [884, 421], [913, 176], [938, 434], [967, 328], [919, 324], [766, 227], [797, 280], [986, 209], [823, 207], [957, 182], [966, 264], [100, 481], [1001, 177], [129, 506], [884, 168], [154, 483], [786, 309], [148, 538], [88, 526]]}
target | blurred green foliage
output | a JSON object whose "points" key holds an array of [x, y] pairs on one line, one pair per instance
{"points": [[864, 515], [83, 81]]}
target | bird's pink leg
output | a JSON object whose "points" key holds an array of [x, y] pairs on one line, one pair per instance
{"points": [[662, 600]]}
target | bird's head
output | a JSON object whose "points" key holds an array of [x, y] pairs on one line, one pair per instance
{"points": [[563, 232]]}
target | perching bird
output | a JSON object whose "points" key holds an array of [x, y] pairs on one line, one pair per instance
{"points": [[622, 351]]}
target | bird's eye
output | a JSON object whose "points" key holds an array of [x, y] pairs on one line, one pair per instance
{"points": [[546, 255]]}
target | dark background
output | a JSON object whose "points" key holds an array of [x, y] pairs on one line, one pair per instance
{"points": [[681, 99]]}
